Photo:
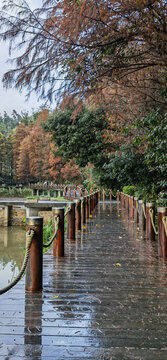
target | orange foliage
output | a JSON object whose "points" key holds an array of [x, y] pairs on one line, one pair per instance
{"points": [[34, 155]]}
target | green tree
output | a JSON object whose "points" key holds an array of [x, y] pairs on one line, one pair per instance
{"points": [[151, 140], [82, 138]]}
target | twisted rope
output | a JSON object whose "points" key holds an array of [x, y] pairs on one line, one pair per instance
{"points": [[67, 210], [151, 212], [164, 220], [29, 236], [56, 228], [137, 207], [144, 210]]}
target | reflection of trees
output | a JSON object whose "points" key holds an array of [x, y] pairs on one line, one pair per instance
{"points": [[12, 243]]}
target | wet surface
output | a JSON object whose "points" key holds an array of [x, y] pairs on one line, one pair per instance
{"points": [[106, 299]]}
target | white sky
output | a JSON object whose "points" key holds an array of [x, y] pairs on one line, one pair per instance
{"points": [[12, 99]]}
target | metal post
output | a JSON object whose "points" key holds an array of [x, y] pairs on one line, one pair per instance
{"points": [[78, 214], [142, 220], [150, 234], [58, 244], [35, 262], [162, 237], [71, 223]]}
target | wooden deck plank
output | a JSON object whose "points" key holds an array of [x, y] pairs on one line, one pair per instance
{"points": [[91, 308]]}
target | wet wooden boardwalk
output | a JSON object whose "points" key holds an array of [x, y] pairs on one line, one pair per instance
{"points": [[107, 299]]}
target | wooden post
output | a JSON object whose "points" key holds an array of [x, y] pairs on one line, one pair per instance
{"points": [[131, 207], [104, 195], [35, 262], [97, 198], [110, 195], [94, 200], [71, 223], [83, 210], [91, 203], [118, 195], [142, 220], [58, 244], [150, 234], [87, 207], [6, 216], [136, 214], [162, 238], [78, 214]]}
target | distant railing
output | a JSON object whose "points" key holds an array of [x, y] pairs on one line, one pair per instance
{"points": [[144, 215], [77, 212]]}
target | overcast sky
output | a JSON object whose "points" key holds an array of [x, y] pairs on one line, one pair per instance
{"points": [[13, 99]]}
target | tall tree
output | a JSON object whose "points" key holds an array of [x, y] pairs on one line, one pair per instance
{"points": [[85, 46]]}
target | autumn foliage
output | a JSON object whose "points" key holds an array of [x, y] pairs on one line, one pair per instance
{"points": [[34, 157]]}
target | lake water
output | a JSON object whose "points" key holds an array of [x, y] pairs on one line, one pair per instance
{"points": [[12, 249]]}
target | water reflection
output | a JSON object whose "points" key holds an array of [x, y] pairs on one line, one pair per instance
{"points": [[12, 243], [33, 323]]}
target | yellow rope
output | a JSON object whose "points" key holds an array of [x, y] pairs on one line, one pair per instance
{"points": [[144, 210], [56, 229], [29, 236], [164, 220], [151, 212], [137, 207], [67, 210]]}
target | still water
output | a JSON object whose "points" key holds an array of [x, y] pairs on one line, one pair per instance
{"points": [[12, 248]]}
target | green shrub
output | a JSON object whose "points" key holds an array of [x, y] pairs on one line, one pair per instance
{"points": [[162, 199], [47, 233], [3, 192], [14, 192], [129, 190], [26, 192]]}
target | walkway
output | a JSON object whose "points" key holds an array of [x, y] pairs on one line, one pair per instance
{"points": [[107, 299]]}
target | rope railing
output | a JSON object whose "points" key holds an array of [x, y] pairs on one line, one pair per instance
{"points": [[151, 212], [147, 213], [164, 220], [33, 267], [144, 210], [68, 209], [54, 235], [29, 236]]}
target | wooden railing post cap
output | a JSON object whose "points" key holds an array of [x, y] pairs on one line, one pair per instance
{"points": [[151, 204], [141, 201], [34, 220], [58, 210], [161, 209], [77, 201]]}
